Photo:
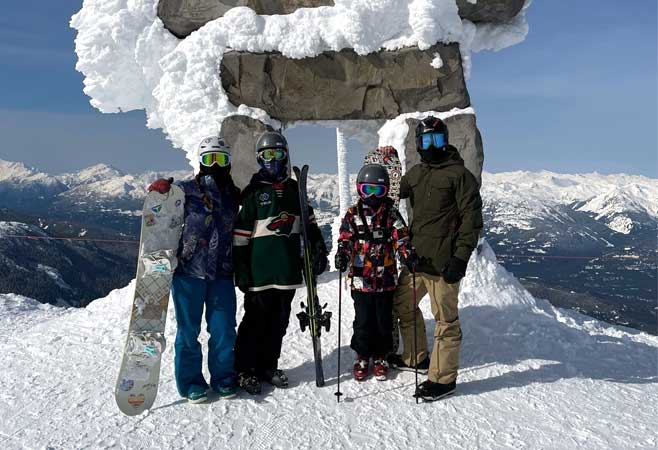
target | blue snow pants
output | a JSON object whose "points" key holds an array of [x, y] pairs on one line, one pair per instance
{"points": [[190, 295]]}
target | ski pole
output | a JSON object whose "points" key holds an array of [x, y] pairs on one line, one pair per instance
{"points": [[413, 281], [340, 302]]}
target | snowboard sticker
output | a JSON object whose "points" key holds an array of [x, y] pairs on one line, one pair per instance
{"points": [[388, 157], [162, 224]]}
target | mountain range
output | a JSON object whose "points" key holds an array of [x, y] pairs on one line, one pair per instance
{"points": [[583, 241]]}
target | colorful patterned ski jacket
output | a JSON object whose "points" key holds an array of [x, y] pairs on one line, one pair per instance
{"points": [[266, 238], [206, 244], [372, 247]]}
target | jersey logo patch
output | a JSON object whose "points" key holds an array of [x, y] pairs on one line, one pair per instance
{"points": [[264, 199], [282, 224]]}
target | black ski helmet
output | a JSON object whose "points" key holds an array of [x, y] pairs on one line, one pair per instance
{"points": [[277, 169], [430, 124], [373, 173], [271, 139]]}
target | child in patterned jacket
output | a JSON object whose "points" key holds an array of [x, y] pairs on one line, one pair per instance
{"points": [[371, 232]]}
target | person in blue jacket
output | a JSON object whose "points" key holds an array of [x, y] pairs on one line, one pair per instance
{"points": [[204, 275]]}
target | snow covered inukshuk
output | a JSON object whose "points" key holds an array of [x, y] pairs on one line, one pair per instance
{"points": [[239, 67]]}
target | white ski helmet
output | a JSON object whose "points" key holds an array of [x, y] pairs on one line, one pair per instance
{"points": [[213, 143]]}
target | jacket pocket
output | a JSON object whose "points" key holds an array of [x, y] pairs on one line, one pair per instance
{"points": [[440, 196]]}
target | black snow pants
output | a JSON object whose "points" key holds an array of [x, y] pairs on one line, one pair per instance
{"points": [[260, 334], [373, 316]]}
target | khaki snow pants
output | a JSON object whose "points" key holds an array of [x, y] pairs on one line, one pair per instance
{"points": [[444, 361]]}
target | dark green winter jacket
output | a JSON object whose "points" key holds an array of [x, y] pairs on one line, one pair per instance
{"points": [[447, 211]]}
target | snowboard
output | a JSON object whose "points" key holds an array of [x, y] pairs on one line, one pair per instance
{"points": [[388, 157], [312, 315], [162, 224]]}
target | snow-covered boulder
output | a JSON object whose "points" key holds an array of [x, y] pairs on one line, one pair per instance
{"points": [[344, 85], [182, 17], [130, 60]]}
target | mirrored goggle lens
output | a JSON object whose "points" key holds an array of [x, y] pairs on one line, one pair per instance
{"points": [[220, 158], [367, 189], [436, 139], [272, 154]]}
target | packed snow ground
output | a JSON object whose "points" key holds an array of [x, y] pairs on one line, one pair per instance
{"points": [[532, 377]]}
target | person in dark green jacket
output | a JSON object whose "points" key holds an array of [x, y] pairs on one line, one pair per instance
{"points": [[267, 260], [445, 227]]}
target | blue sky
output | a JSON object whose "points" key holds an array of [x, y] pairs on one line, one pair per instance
{"points": [[579, 95]]}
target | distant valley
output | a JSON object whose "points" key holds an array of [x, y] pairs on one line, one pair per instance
{"points": [[585, 242]]}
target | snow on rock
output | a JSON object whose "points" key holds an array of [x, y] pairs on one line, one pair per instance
{"points": [[532, 376], [621, 224], [437, 62], [54, 275], [131, 62], [19, 228]]}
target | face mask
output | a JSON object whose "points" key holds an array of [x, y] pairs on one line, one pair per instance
{"points": [[276, 169], [372, 201], [221, 175]]}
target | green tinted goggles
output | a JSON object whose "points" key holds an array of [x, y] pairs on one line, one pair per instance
{"points": [[222, 159], [273, 154]]}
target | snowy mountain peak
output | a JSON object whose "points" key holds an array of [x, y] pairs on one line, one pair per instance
{"points": [[19, 173], [98, 172], [14, 170]]}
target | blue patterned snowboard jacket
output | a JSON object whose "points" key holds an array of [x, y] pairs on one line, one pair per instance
{"points": [[205, 249]]}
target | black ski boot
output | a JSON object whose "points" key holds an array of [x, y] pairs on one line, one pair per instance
{"points": [[277, 378], [249, 382], [430, 391], [395, 361]]}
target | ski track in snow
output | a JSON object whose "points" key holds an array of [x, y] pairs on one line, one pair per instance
{"points": [[532, 377]]}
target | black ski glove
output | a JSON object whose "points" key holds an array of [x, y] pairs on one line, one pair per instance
{"points": [[341, 261], [454, 270], [320, 261], [411, 261]]}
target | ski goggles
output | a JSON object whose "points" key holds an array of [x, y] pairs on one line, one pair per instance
{"points": [[273, 154], [426, 140], [369, 189], [222, 159]]}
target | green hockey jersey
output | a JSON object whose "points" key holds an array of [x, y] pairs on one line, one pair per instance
{"points": [[266, 236]]}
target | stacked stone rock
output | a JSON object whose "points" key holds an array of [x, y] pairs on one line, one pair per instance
{"points": [[340, 86]]}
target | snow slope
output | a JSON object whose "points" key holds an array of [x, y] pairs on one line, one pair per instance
{"points": [[533, 377]]}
